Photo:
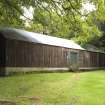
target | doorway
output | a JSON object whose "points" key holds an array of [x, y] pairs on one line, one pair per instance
{"points": [[73, 60]]}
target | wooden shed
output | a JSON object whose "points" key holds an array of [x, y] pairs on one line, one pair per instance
{"points": [[28, 51]]}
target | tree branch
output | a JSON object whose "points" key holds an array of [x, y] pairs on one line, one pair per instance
{"points": [[15, 8]]}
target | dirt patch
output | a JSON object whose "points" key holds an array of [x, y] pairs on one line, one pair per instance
{"points": [[34, 99], [7, 103], [74, 80], [77, 76], [30, 98], [74, 100]]}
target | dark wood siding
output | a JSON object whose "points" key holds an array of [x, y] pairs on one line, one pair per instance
{"points": [[101, 59], [84, 60], [2, 51], [91, 59], [24, 54], [94, 59]]}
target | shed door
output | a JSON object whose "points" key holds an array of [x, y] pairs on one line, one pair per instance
{"points": [[73, 60]]}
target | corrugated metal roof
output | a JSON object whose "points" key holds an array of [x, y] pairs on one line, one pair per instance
{"points": [[18, 34]]}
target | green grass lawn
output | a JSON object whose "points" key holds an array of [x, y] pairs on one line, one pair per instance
{"points": [[85, 88]]}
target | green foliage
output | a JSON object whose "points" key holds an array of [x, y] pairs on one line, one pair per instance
{"points": [[61, 18], [9, 13]]}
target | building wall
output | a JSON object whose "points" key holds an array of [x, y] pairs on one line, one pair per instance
{"points": [[90, 59], [24, 54], [2, 51], [101, 59], [2, 55]]}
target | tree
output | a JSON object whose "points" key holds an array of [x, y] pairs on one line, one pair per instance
{"points": [[9, 13]]}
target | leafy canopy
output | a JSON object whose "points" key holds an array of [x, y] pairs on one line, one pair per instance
{"points": [[61, 18]]}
